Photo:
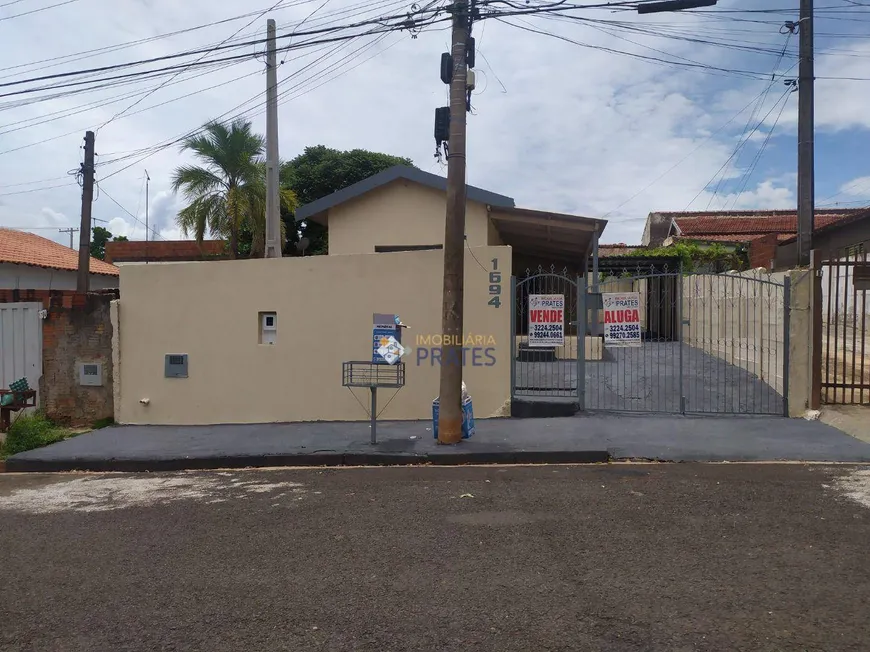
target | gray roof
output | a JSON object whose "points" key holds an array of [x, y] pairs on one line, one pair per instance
{"points": [[392, 174]]}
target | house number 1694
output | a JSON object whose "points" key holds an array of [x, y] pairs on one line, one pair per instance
{"points": [[495, 285]]}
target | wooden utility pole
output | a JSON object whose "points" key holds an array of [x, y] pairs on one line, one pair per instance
{"points": [[806, 127], [273, 206], [450, 396], [87, 170]]}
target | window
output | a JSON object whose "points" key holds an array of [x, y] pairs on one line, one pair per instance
{"points": [[384, 249]]}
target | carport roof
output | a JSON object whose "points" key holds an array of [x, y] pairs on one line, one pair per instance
{"points": [[393, 174], [546, 234]]}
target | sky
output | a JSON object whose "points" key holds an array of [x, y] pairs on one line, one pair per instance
{"points": [[614, 115]]}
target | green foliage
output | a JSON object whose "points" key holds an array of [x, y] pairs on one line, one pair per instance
{"points": [[320, 171], [31, 431], [102, 423], [226, 192], [695, 257], [99, 238]]}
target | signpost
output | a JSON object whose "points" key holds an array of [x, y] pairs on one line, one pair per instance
{"points": [[386, 339], [621, 318], [546, 320]]}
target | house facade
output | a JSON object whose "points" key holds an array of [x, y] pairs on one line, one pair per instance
{"points": [[761, 233], [31, 262]]}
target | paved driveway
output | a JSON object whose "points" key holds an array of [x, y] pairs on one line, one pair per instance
{"points": [[647, 379], [614, 558]]}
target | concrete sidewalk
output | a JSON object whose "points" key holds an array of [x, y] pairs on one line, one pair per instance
{"points": [[580, 439]]}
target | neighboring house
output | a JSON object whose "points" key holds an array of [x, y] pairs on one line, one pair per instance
{"points": [[761, 232], [164, 251], [31, 262], [831, 240], [403, 209]]}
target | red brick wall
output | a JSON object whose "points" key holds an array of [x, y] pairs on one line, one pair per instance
{"points": [[77, 328], [164, 250], [762, 250]]}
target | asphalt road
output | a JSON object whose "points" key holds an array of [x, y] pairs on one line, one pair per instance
{"points": [[622, 557]]}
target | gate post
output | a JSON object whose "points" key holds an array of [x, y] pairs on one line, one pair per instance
{"points": [[513, 336], [581, 341], [680, 333], [786, 328]]}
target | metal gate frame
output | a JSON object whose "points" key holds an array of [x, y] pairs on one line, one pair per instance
{"points": [[580, 322], [845, 355], [589, 299]]}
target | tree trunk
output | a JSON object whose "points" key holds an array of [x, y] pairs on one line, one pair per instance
{"points": [[234, 243]]}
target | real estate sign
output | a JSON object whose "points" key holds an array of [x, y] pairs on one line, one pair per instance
{"points": [[546, 320], [621, 318]]}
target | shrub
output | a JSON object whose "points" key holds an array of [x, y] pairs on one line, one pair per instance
{"points": [[31, 431]]}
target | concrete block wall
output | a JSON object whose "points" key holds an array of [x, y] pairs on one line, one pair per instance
{"points": [[76, 328]]}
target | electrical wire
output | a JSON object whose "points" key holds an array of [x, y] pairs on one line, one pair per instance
{"points": [[758, 155], [36, 11], [114, 201], [729, 159]]}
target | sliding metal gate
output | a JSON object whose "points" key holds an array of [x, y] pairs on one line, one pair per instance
{"points": [[710, 343]]}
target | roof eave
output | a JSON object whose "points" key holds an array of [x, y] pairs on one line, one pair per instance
{"points": [[312, 209]]}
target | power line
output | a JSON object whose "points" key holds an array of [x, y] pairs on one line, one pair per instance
{"points": [[251, 22], [725, 164], [36, 11], [114, 201]]}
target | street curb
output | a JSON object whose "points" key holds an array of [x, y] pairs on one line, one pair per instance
{"points": [[313, 459]]}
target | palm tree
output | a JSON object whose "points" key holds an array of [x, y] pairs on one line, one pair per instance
{"points": [[228, 191]]}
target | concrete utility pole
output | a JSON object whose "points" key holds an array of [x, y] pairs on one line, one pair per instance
{"points": [[147, 188], [806, 127], [450, 396], [273, 206], [70, 231], [87, 170]]}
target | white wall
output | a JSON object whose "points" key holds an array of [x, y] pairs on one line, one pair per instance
{"points": [[27, 277]]}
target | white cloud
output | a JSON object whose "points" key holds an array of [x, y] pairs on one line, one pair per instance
{"points": [[579, 130], [859, 187]]}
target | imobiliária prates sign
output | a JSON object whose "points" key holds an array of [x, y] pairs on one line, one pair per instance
{"points": [[621, 318], [546, 320]]}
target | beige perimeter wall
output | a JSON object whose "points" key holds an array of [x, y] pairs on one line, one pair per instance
{"points": [[209, 310]]}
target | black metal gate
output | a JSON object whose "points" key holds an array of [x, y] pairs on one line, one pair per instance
{"points": [[545, 372], [845, 372], [708, 343]]}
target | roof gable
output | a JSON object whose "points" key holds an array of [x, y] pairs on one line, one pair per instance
{"points": [[388, 176], [22, 248]]}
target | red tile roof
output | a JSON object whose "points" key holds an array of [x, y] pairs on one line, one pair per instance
{"points": [[24, 248], [734, 237], [726, 225]]}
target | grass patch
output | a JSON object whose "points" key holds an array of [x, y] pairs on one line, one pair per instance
{"points": [[31, 431], [102, 423]]}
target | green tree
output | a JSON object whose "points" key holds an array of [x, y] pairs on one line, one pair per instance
{"points": [[320, 171], [99, 238], [226, 193]]}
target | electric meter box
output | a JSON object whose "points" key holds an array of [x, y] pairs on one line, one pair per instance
{"points": [[176, 365]]}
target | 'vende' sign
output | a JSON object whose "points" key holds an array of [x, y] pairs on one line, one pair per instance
{"points": [[546, 320], [621, 318]]}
